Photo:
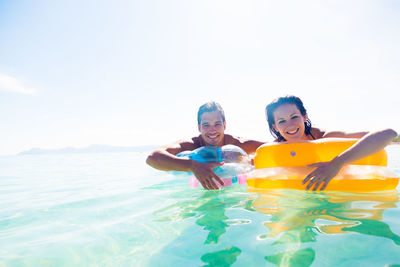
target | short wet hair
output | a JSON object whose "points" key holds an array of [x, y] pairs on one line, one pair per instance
{"points": [[289, 99], [210, 107]]}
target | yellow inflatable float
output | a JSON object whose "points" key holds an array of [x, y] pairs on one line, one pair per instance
{"points": [[284, 166]]}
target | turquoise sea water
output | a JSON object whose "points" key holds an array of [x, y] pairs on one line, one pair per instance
{"points": [[112, 209]]}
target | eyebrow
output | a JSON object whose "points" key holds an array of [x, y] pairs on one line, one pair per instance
{"points": [[211, 122], [295, 113]]}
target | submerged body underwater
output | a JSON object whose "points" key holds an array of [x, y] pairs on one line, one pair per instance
{"points": [[113, 209]]}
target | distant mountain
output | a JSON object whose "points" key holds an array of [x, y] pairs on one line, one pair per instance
{"points": [[89, 149]]}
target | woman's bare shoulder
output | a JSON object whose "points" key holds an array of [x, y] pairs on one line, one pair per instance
{"points": [[317, 133]]}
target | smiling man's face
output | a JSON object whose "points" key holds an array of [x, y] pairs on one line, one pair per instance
{"points": [[212, 128]]}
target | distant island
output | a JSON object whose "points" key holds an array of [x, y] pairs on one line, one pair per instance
{"points": [[396, 140], [89, 149], [108, 149]]}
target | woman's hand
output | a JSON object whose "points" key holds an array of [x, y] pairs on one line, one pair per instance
{"points": [[369, 144], [323, 174], [205, 174]]}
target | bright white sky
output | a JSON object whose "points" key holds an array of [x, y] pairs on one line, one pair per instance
{"points": [[75, 73]]}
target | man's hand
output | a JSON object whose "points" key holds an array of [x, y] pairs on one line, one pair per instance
{"points": [[323, 174], [205, 174]]}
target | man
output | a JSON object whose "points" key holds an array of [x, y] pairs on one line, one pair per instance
{"points": [[211, 124]]}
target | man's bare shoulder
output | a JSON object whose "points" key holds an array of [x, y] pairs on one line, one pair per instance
{"points": [[234, 140], [183, 145], [247, 145]]}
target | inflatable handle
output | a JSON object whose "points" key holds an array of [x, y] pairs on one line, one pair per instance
{"points": [[236, 159], [193, 182], [242, 179]]}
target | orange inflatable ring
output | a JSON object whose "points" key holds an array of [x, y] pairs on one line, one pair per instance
{"points": [[284, 166]]}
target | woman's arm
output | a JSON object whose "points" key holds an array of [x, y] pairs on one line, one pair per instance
{"points": [[370, 143], [344, 134]]}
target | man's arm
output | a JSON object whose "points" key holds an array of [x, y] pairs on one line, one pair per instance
{"points": [[165, 159]]}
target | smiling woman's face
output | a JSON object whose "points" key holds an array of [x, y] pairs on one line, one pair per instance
{"points": [[289, 122]]}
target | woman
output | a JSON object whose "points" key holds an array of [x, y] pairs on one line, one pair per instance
{"points": [[288, 122]]}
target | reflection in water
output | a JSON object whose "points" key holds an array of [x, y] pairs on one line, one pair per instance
{"points": [[212, 219], [299, 217], [301, 257], [209, 210], [299, 226], [221, 258]]}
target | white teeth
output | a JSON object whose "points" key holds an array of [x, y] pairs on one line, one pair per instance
{"points": [[293, 132]]}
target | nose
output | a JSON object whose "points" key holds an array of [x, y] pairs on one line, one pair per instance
{"points": [[290, 123], [212, 128]]}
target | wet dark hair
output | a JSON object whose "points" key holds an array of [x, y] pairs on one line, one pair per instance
{"points": [[289, 99], [210, 107]]}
